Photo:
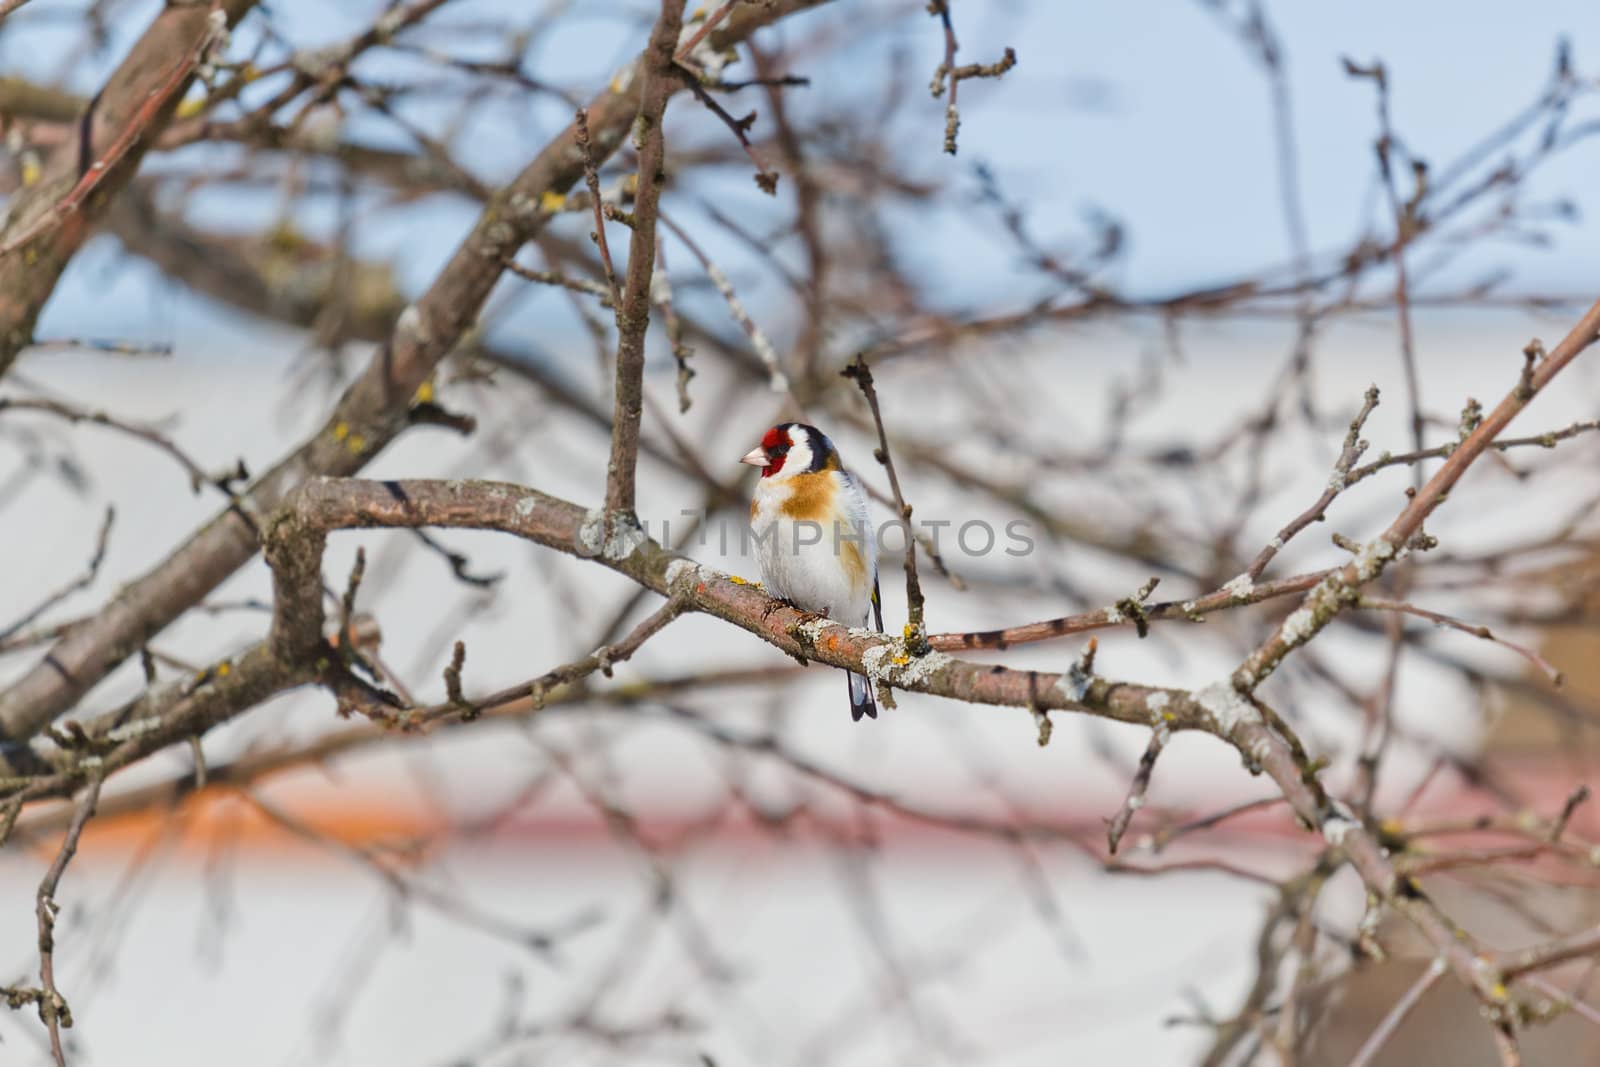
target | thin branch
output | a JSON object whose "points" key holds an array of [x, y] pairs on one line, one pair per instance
{"points": [[222, 481], [1168, 834], [711, 22], [83, 581], [1354, 447], [603, 659], [916, 629], [1137, 789], [1397, 1014], [1565, 999], [948, 72], [556, 278], [1505, 1043], [1541, 957], [53, 1010], [1482, 632], [1114, 616], [633, 310], [1543, 440], [452, 677], [448, 903], [591, 178], [460, 566], [680, 348], [1575, 799], [1405, 226], [766, 177], [776, 379]]}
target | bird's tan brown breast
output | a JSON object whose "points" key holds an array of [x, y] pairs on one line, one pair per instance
{"points": [[811, 496]]}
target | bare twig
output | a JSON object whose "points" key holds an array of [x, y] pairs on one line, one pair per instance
{"points": [[1397, 1014], [556, 278], [949, 73], [1118, 824], [916, 635], [711, 22], [1354, 447], [1482, 632], [452, 675], [1106, 618], [1574, 800], [53, 1009], [766, 177], [603, 659], [680, 348], [222, 481], [633, 310], [83, 581], [591, 178], [1505, 1043], [778, 381], [1405, 225]]}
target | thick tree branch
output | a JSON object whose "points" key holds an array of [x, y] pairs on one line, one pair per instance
{"points": [[51, 219]]}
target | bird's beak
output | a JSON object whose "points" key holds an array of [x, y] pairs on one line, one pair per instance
{"points": [[756, 457]]}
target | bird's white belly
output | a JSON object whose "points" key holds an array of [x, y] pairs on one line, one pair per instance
{"points": [[812, 576]]}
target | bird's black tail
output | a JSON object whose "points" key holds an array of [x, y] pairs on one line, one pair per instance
{"points": [[861, 700]]}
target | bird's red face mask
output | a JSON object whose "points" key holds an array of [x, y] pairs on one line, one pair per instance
{"points": [[771, 453]]}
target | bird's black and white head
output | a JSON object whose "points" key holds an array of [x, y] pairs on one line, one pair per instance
{"points": [[792, 448]]}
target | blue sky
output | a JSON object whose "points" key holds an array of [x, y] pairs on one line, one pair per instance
{"points": [[1149, 111]]}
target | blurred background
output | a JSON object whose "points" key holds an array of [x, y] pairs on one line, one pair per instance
{"points": [[1135, 313]]}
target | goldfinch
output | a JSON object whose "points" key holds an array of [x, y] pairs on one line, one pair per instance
{"points": [[812, 540]]}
